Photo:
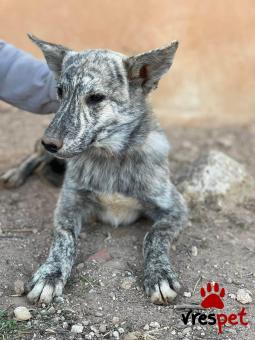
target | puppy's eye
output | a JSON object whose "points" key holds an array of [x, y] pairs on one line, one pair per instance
{"points": [[60, 91], [94, 99]]}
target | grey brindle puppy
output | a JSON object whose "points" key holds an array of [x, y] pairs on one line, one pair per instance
{"points": [[117, 161]]}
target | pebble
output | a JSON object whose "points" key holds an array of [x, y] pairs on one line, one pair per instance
{"points": [[85, 322], [128, 283], [232, 296], [244, 296], [132, 336], [229, 280], [186, 330], [146, 327], [155, 324], [121, 330], [19, 287], [116, 334], [94, 329], [115, 320], [194, 251], [65, 325], [102, 328], [173, 332], [51, 310], [187, 294], [80, 266], [78, 328], [22, 313]]}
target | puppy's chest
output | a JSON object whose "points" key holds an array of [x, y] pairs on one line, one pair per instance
{"points": [[118, 209]]}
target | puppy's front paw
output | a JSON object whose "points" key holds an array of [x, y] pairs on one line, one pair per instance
{"points": [[161, 284], [12, 178], [46, 283]]}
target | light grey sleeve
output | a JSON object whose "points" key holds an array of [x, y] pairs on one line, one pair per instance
{"points": [[26, 82]]}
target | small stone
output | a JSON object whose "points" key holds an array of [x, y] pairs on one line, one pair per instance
{"points": [[65, 325], [51, 310], [94, 329], [112, 295], [19, 287], [244, 296], [173, 332], [155, 324], [102, 328], [232, 296], [229, 280], [100, 256], [146, 327], [194, 251], [85, 322], [78, 328], [22, 313], [132, 336], [128, 282], [115, 320], [186, 330], [116, 334], [121, 330], [187, 294], [80, 266]]}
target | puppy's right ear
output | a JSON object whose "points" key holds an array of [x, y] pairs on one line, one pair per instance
{"points": [[53, 53]]}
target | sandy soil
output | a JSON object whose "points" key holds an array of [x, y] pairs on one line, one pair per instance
{"points": [[95, 293]]}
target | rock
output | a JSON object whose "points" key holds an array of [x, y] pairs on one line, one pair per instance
{"points": [[232, 296], [244, 296], [194, 251], [154, 324], [51, 310], [19, 287], [102, 328], [146, 327], [94, 329], [115, 320], [187, 294], [65, 325], [213, 176], [121, 330], [78, 328], [186, 330], [128, 282], [116, 334], [100, 256], [80, 266], [132, 336], [22, 313]]}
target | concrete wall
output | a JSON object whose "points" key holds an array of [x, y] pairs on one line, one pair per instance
{"points": [[214, 71]]}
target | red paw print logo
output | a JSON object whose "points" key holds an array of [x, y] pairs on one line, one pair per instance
{"points": [[212, 296]]}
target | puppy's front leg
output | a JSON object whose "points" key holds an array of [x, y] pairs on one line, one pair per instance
{"points": [[169, 212], [50, 278]]}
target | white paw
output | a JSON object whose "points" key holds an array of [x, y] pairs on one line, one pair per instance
{"points": [[162, 293], [45, 284], [12, 178]]}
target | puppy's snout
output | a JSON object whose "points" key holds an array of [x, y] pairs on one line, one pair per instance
{"points": [[52, 144]]}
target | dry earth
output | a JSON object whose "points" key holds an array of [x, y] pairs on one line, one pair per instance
{"points": [[101, 291]]}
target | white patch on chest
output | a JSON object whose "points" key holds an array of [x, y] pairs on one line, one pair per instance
{"points": [[119, 209]]}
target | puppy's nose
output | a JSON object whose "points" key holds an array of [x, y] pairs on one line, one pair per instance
{"points": [[52, 144]]}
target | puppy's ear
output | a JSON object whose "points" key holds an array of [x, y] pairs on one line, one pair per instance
{"points": [[53, 53], [146, 69]]}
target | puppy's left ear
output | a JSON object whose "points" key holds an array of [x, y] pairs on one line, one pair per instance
{"points": [[146, 69], [53, 53]]}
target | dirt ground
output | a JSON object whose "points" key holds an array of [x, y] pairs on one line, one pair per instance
{"points": [[98, 292]]}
